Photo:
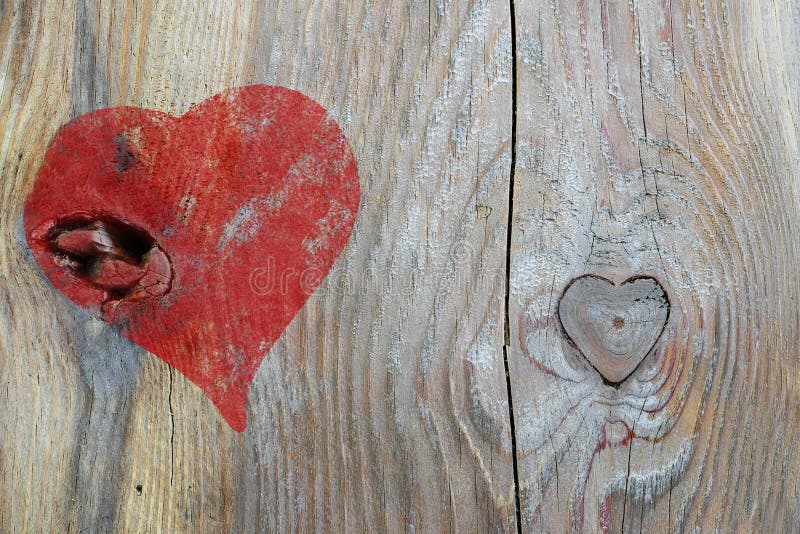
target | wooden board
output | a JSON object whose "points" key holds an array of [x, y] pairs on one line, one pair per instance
{"points": [[384, 404], [646, 137], [659, 138]]}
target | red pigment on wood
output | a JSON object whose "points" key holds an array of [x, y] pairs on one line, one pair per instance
{"points": [[160, 225]]}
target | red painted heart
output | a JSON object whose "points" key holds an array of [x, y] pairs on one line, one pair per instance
{"points": [[199, 237]]}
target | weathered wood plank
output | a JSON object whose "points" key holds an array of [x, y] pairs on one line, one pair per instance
{"points": [[654, 137], [659, 137], [384, 405]]}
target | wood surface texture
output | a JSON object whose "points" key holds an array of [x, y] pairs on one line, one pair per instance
{"points": [[428, 386], [614, 327]]}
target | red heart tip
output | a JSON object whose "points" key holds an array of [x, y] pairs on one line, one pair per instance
{"points": [[232, 405]]}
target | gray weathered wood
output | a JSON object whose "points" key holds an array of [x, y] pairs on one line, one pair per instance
{"points": [[613, 327], [659, 137], [653, 137], [383, 407]]}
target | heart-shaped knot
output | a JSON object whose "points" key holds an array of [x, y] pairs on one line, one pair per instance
{"points": [[614, 326]]}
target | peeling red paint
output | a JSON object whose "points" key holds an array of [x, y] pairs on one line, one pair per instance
{"points": [[255, 177]]}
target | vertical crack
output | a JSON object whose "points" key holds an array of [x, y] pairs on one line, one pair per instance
{"points": [[507, 328], [172, 432]]}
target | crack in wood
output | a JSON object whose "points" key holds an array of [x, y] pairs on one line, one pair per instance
{"points": [[509, 232]]}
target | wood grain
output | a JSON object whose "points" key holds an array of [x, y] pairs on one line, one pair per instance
{"points": [[655, 137], [383, 407], [659, 137], [613, 327]]}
